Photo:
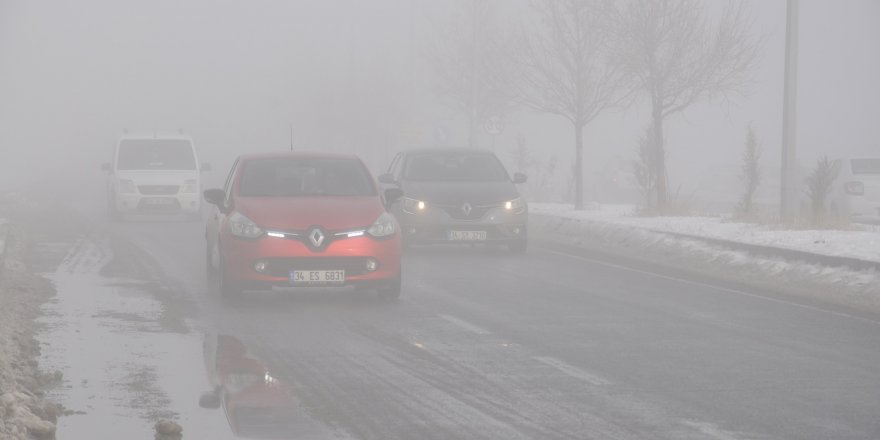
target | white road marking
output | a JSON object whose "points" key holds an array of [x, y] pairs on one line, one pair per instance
{"points": [[573, 371], [711, 430], [466, 325], [718, 288]]}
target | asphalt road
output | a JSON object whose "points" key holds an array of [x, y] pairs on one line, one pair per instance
{"points": [[546, 345]]}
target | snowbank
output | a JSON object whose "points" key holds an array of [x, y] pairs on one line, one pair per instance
{"points": [[736, 252], [856, 244]]}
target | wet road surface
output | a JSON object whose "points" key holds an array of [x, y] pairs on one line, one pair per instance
{"points": [[546, 345]]}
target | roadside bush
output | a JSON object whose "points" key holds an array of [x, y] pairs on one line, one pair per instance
{"points": [[819, 184]]}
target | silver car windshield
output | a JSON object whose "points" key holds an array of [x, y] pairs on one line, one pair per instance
{"points": [[455, 167]]}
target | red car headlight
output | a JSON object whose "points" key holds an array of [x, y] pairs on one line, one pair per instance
{"points": [[241, 226]]}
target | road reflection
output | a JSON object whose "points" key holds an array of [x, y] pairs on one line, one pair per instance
{"points": [[257, 405]]}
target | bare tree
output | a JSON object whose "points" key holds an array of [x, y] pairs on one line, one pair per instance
{"points": [[678, 56], [472, 66], [643, 170], [751, 174], [564, 69]]}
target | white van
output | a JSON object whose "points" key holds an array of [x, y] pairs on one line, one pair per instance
{"points": [[154, 173], [857, 189]]}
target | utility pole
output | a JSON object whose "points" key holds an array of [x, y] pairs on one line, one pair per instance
{"points": [[789, 187], [472, 133]]}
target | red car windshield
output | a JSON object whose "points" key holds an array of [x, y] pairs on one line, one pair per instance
{"points": [[304, 177]]}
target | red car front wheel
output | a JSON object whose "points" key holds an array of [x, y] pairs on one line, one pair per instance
{"points": [[391, 291]]}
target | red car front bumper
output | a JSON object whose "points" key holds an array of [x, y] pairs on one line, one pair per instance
{"points": [[239, 258]]}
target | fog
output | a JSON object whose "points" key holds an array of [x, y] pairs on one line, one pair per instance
{"points": [[441, 293], [354, 76]]}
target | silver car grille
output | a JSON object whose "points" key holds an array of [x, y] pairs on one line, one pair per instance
{"points": [[459, 212]]}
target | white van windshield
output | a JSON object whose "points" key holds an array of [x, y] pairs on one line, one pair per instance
{"points": [[156, 154], [866, 166]]}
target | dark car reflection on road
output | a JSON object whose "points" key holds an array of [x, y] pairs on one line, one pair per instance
{"points": [[257, 405]]}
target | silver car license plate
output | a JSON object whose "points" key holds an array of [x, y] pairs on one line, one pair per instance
{"points": [[467, 235]]}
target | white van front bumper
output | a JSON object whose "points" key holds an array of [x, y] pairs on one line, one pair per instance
{"points": [[156, 204]]}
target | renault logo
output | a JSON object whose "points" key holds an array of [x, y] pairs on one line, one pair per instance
{"points": [[466, 208], [316, 237]]}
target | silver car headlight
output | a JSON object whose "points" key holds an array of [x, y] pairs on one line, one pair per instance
{"points": [[384, 226], [515, 206], [241, 226], [413, 206]]}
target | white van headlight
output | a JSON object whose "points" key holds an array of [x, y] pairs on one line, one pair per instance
{"points": [[384, 226], [125, 186], [190, 186], [241, 226]]}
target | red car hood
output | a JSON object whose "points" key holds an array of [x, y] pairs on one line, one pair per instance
{"points": [[300, 213]]}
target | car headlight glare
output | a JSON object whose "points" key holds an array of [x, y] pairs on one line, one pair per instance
{"points": [[125, 186], [384, 226], [241, 226], [413, 206], [515, 206]]}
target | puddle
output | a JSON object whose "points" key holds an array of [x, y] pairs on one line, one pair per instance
{"points": [[123, 367], [255, 402]]}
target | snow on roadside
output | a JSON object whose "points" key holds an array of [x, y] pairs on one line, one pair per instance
{"points": [[615, 230], [860, 244]]}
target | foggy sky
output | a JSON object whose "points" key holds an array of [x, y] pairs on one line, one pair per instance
{"points": [[352, 76]]}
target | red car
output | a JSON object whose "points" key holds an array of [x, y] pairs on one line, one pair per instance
{"points": [[302, 220], [257, 404]]}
